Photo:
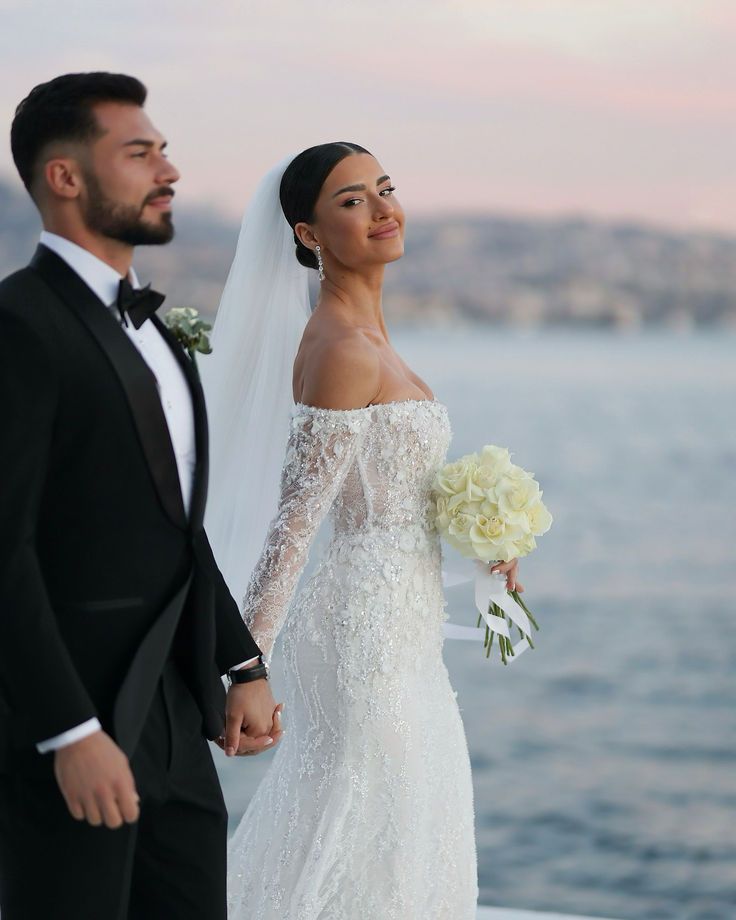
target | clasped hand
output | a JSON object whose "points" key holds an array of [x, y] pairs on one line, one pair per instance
{"points": [[252, 720]]}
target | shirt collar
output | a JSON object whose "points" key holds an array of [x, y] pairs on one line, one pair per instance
{"points": [[96, 274]]}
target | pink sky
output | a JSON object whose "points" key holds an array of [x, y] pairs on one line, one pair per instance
{"points": [[610, 107]]}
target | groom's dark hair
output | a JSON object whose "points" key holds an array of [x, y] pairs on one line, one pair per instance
{"points": [[302, 182], [62, 110]]}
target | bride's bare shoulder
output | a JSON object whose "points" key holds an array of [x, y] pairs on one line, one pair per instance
{"points": [[338, 370]]}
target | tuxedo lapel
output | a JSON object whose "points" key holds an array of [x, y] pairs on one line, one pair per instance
{"points": [[138, 381], [201, 437]]}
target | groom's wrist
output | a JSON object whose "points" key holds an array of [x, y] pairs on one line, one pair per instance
{"points": [[71, 736], [249, 672]]}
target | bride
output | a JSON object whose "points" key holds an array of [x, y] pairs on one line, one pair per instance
{"points": [[366, 810]]}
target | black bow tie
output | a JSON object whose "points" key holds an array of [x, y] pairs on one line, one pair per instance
{"points": [[137, 304]]}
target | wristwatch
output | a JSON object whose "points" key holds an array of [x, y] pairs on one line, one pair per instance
{"points": [[246, 675]]}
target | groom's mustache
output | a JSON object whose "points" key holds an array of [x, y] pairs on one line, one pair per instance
{"points": [[164, 192]]}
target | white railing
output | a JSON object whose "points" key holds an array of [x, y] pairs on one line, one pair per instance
{"points": [[506, 913]]}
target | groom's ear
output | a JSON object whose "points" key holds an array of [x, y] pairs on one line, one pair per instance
{"points": [[305, 235], [62, 177]]}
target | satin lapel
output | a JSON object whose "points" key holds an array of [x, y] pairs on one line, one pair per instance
{"points": [[137, 379], [201, 436]]}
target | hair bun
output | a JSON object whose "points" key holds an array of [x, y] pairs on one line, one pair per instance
{"points": [[304, 254]]}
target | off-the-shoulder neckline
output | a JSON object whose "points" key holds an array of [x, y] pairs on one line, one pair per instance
{"points": [[300, 406]]}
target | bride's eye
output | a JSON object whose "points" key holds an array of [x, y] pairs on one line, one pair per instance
{"points": [[385, 192], [351, 202]]}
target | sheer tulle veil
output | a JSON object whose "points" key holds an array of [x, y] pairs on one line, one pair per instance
{"points": [[247, 382]]}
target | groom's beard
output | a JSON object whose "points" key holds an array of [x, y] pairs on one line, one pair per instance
{"points": [[123, 222]]}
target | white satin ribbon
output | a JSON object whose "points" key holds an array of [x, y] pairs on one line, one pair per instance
{"points": [[489, 588]]}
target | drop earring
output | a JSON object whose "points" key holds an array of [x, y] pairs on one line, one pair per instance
{"points": [[320, 263]]}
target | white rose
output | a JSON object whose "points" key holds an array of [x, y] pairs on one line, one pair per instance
{"points": [[454, 478], [484, 478], [458, 531], [515, 497], [487, 536], [521, 547], [516, 472], [496, 459], [441, 517], [539, 518]]}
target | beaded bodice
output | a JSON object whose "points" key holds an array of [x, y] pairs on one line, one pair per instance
{"points": [[371, 469]]}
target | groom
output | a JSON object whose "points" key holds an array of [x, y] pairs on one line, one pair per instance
{"points": [[115, 623]]}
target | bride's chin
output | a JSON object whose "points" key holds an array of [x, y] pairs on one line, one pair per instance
{"points": [[392, 254]]}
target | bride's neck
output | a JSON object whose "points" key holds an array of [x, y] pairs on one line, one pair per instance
{"points": [[357, 298]]}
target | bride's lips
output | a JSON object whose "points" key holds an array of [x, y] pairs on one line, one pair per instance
{"points": [[385, 233]]}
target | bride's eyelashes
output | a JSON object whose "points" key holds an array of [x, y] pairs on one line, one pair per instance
{"points": [[384, 193]]}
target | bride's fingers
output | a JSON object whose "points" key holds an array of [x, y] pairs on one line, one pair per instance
{"points": [[505, 567], [519, 587], [509, 569], [254, 745]]}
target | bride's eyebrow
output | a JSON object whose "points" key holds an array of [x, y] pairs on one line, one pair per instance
{"points": [[358, 188]]}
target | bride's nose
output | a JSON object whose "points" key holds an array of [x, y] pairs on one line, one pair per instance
{"points": [[384, 208]]}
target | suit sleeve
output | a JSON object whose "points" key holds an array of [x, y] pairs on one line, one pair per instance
{"points": [[234, 643], [38, 674]]}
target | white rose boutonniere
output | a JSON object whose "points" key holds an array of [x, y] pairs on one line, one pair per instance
{"points": [[192, 332]]}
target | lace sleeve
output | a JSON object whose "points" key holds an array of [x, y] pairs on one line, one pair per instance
{"points": [[321, 449]]}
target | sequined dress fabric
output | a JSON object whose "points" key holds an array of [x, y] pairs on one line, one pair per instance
{"points": [[367, 809]]}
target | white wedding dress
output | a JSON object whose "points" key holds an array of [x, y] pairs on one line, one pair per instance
{"points": [[367, 809]]}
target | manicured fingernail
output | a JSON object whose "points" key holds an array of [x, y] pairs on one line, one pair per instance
{"points": [[269, 741], [230, 751]]}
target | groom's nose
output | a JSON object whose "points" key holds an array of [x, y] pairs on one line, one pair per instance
{"points": [[167, 173]]}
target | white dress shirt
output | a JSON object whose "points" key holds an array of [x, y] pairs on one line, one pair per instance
{"points": [[173, 389]]}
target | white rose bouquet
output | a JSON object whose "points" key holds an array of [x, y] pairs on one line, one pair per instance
{"points": [[492, 510]]}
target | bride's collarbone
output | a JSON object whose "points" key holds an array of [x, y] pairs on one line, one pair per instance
{"points": [[397, 382]]}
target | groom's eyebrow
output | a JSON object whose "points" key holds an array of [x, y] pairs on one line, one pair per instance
{"points": [[358, 188], [144, 142]]}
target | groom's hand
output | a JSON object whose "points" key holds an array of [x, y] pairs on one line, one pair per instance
{"points": [[250, 726], [96, 781]]}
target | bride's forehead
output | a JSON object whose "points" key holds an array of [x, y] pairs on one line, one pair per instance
{"points": [[360, 168]]}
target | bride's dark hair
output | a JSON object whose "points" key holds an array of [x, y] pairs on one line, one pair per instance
{"points": [[302, 182]]}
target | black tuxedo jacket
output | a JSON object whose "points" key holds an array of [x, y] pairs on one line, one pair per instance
{"points": [[102, 575]]}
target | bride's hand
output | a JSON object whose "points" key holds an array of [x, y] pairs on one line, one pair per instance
{"points": [[510, 570], [249, 718]]}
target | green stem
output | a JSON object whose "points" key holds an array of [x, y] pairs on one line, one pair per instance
{"points": [[517, 597]]}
